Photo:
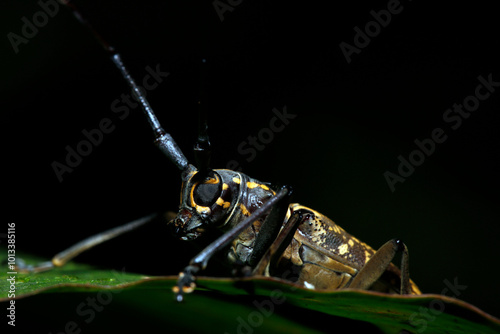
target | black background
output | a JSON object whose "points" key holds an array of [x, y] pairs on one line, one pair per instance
{"points": [[353, 121]]}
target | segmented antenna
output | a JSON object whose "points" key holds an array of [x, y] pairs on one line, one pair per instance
{"points": [[202, 148], [163, 139]]}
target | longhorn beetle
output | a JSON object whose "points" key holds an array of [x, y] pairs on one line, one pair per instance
{"points": [[266, 233]]}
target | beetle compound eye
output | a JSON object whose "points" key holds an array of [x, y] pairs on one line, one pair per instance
{"points": [[205, 194]]}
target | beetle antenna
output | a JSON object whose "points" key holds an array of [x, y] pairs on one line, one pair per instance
{"points": [[163, 139], [202, 148]]}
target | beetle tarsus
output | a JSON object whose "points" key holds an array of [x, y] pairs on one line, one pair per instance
{"points": [[241, 270], [23, 267], [186, 282]]}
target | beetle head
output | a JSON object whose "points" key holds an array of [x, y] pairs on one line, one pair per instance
{"points": [[205, 201]]}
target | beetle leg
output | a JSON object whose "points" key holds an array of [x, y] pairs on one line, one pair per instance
{"points": [[280, 244], [270, 229], [185, 283], [268, 233], [379, 262], [66, 255]]}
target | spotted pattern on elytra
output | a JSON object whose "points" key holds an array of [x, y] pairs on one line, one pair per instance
{"points": [[323, 232]]}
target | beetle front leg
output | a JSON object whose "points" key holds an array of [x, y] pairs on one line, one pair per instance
{"points": [[186, 282], [379, 262], [275, 251]]}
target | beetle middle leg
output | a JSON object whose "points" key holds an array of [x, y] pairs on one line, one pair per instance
{"points": [[311, 268], [318, 270], [61, 258]]}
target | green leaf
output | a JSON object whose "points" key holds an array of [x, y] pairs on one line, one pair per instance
{"points": [[243, 305]]}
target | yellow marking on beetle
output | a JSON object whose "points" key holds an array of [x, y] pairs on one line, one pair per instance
{"points": [[191, 174], [334, 228], [344, 248], [252, 185], [244, 210], [202, 209], [351, 242], [191, 196], [212, 180], [224, 186], [223, 203], [236, 180], [367, 255]]}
